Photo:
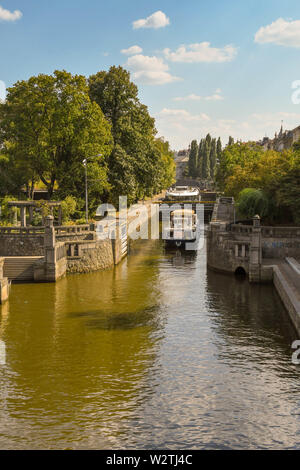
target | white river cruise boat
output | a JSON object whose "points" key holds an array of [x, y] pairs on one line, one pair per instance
{"points": [[182, 194], [182, 229]]}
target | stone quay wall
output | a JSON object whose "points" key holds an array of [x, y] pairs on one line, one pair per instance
{"points": [[91, 256], [231, 246], [15, 241]]}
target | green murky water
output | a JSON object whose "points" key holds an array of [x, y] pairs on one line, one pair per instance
{"points": [[157, 353]]}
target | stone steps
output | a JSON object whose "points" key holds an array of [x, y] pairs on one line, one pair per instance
{"points": [[20, 268]]}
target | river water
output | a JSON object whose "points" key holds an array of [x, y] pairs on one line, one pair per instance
{"points": [[157, 353]]}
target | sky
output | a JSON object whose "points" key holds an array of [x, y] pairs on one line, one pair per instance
{"points": [[227, 67]]}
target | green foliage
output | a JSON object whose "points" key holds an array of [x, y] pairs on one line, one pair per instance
{"points": [[7, 212], [205, 158], [68, 207], [288, 191], [193, 159], [203, 163], [213, 158], [252, 202], [48, 126], [138, 165], [273, 175], [43, 207]]}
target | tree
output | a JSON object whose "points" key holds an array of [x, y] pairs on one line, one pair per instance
{"points": [[122, 164], [167, 166], [219, 149], [133, 131], [193, 157], [253, 201], [288, 190], [205, 160], [213, 158], [49, 126], [200, 158]]}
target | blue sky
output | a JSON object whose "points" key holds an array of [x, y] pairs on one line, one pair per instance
{"points": [[224, 67]]}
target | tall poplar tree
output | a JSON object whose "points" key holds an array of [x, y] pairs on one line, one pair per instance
{"points": [[213, 158], [193, 159], [206, 161]]}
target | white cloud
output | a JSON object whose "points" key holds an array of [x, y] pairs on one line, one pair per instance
{"points": [[150, 70], [281, 32], [180, 126], [201, 52], [2, 91], [191, 97], [133, 50], [184, 115], [6, 15], [214, 97], [156, 20], [273, 120]]}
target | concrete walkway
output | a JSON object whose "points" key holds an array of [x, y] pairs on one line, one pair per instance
{"points": [[286, 278]]}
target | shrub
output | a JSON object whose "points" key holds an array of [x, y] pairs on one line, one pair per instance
{"points": [[7, 213], [253, 201], [68, 206]]}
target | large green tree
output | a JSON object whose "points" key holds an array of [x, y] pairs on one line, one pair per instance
{"points": [[137, 164], [49, 126]]}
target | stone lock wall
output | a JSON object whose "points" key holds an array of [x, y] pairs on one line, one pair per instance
{"points": [[224, 252], [21, 245], [246, 246], [92, 256]]}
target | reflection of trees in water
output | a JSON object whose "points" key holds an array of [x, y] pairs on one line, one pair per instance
{"points": [[249, 314], [83, 348]]}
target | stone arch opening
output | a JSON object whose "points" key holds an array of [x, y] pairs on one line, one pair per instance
{"points": [[240, 272]]}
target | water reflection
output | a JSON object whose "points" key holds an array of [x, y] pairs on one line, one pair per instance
{"points": [[156, 353]]}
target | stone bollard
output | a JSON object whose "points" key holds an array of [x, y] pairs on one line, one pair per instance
{"points": [[255, 251]]}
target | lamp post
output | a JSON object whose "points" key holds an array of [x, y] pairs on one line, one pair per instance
{"points": [[85, 161]]}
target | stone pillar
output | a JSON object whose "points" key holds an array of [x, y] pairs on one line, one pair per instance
{"points": [[255, 251], [55, 262], [49, 249], [23, 216], [49, 240], [30, 214], [15, 216], [4, 284], [59, 215]]}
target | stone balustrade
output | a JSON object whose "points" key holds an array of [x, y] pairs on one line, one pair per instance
{"points": [[17, 231]]}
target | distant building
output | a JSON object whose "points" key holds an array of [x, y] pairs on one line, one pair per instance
{"points": [[283, 140]]}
